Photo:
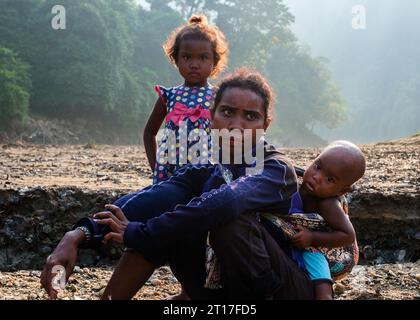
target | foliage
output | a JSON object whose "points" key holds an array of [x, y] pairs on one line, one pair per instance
{"points": [[15, 86], [104, 65]]}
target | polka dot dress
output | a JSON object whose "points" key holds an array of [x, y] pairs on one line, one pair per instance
{"points": [[186, 136]]}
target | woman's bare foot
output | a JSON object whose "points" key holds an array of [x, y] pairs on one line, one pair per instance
{"points": [[180, 296]]}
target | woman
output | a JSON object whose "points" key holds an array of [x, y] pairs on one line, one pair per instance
{"points": [[170, 221]]}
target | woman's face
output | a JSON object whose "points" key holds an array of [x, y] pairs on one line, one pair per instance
{"points": [[240, 109]]}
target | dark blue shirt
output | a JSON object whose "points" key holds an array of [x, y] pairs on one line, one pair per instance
{"points": [[197, 199]]}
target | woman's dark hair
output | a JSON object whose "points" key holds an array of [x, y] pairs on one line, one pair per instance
{"points": [[198, 28], [245, 78]]}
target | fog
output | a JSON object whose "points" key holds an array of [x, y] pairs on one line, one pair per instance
{"points": [[347, 70], [376, 68]]}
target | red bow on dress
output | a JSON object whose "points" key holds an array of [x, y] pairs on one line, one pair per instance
{"points": [[181, 112]]}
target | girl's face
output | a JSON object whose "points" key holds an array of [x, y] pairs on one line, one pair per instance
{"points": [[240, 109], [195, 62]]}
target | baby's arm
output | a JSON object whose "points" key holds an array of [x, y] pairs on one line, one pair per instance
{"points": [[150, 131], [342, 233]]}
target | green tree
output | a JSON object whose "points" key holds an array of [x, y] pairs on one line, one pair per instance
{"points": [[259, 36], [104, 65], [87, 70], [17, 32], [15, 86], [79, 69], [252, 27], [153, 28], [306, 94]]}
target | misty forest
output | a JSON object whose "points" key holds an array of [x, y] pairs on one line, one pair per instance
{"points": [[100, 69]]}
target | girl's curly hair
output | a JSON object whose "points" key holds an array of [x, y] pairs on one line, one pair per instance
{"points": [[198, 28]]}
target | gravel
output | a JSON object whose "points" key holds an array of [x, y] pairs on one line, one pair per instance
{"points": [[388, 281], [389, 193]]}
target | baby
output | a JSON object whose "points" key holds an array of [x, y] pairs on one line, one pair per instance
{"points": [[329, 177]]}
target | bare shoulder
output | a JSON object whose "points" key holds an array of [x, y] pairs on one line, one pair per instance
{"points": [[330, 206], [329, 202]]}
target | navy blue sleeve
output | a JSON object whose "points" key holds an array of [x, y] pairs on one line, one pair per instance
{"points": [[269, 191], [155, 200]]}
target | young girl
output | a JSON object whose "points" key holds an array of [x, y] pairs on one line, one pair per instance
{"points": [[199, 51]]}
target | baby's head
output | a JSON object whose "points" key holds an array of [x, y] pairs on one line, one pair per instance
{"points": [[198, 49], [334, 171]]}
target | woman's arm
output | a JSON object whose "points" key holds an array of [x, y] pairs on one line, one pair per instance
{"points": [[270, 190], [65, 254], [151, 130], [147, 203], [153, 201]]}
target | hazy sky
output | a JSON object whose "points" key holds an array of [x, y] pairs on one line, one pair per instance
{"points": [[318, 20], [326, 25], [392, 30]]}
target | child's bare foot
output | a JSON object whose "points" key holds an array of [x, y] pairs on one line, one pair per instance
{"points": [[180, 296]]}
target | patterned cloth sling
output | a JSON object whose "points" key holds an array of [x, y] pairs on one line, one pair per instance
{"points": [[341, 260]]}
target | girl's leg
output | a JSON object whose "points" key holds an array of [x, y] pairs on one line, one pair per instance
{"points": [[129, 276]]}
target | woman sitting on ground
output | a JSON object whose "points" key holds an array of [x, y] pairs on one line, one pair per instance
{"points": [[171, 221]]}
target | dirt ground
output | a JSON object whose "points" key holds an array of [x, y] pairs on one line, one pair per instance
{"points": [[396, 281], [393, 168]]}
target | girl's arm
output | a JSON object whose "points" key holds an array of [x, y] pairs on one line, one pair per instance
{"points": [[342, 233], [150, 131]]}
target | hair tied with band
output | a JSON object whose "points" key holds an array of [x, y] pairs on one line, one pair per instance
{"points": [[199, 19]]}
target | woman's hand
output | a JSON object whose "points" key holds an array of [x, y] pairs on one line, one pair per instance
{"points": [[116, 220], [303, 238], [65, 255]]}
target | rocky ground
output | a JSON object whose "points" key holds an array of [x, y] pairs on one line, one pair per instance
{"points": [[380, 282], [85, 284], [392, 167], [43, 188]]}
